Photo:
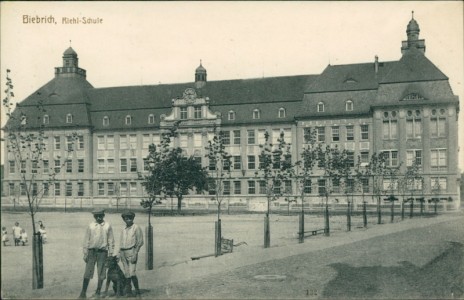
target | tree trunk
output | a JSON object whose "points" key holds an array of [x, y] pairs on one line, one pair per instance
{"points": [[327, 221], [149, 247], [365, 214], [348, 217], [218, 238], [379, 211], [301, 231], [267, 232], [37, 261], [179, 204], [411, 209]]}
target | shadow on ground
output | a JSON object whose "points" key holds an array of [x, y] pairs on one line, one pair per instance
{"points": [[442, 277]]}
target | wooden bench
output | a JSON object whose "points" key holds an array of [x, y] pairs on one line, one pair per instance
{"points": [[312, 232]]}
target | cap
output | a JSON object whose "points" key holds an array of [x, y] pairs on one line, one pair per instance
{"points": [[98, 212], [128, 214]]}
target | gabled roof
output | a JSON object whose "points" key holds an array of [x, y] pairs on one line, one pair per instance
{"points": [[413, 66]]}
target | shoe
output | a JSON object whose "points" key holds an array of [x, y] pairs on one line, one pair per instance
{"points": [[96, 295], [82, 296]]}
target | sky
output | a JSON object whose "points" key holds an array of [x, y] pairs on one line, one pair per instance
{"points": [[145, 43]]}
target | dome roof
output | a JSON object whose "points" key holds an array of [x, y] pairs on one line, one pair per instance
{"points": [[412, 26], [200, 69], [70, 51]]}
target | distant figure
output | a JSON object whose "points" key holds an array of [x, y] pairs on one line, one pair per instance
{"points": [[42, 232], [5, 238], [23, 237], [17, 234]]}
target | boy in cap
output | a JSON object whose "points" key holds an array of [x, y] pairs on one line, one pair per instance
{"points": [[98, 244], [130, 243]]}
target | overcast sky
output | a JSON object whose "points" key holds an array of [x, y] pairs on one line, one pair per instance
{"points": [[151, 42]]}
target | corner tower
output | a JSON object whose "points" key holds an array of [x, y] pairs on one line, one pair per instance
{"points": [[70, 66], [412, 31]]}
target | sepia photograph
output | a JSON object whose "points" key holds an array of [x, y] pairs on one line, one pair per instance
{"points": [[232, 150]]}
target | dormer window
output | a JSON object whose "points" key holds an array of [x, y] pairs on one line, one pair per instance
{"points": [[256, 114], [349, 105], [23, 120], [282, 113], [69, 118], [320, 107], [46, 119], [183, 113], [413, 96], [106, 121], [128, 120], [151, 119], [231, 115]]}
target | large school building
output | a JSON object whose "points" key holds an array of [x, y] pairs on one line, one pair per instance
{"points": [[405, 109]]}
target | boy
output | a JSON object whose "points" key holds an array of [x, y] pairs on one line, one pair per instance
{"points": [[130, 243], [98, 244], [17, 234]]}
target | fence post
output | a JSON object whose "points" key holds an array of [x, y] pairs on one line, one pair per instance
{"points": [[149, 249], [267, 233], [301, 232], [327, 222], [217, 238], [348, 216]]}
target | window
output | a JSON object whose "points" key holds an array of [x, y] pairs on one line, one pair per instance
{"points": [[68, 166], [128, 120], [282, 112], [320, 107], [35, 166], [390, 184], [237, 187], [57, 166], [197, 159], [390, 129], [364, 132], [69, 143], [11, 189], [261, 136], [57, 143], [365, 185], [439, 184], [68, 189], [80, 189], [277, 188], [23, 166], [80, 142], [336, 185], [438, 159], [231, 115], [413, 125], [110, 165], [133, 165], [437, 126], [106, 121], [80, 166], [415, 184], [133, 141], [308, 135], [57, 189], [320, 134], [350, 133], [197, 140], [46, 119], [236, 137], [100, 166], [211, 187], [288, 187], [133, 188], [349, 105], [349, 185], [212, 164], [123, 164], [183, 113], [237, 163], [262, 187], [391, 158], [110, 188], [12, 167], [101, 189], [307, 186], [225, 135], [123, 142], [34, 189], [251, 162], [183, 140], [151, 119], [364, 157], [251, 187], [100, 142], [69, 118], [22, 188], [197, 112], [251, 137], [321, 187], [413, 156], [226, 188], [123, 188], [256, 114], [350, 158], [46, 166], [335, 133]]}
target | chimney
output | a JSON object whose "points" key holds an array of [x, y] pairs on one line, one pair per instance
{"points": [[376, 64]]}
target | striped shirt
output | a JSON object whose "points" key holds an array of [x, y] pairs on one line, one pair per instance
{"points": [[131, 237], [99, 236]]}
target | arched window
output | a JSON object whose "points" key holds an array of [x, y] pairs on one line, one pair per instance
{"points": [[231, 115], [46, 119], [256, 114], [349, 105], [128, 120], [320, 107], [106, 121], [69, 118], [151, 119], [282, 113]]}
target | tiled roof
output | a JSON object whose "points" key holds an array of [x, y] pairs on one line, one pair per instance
{"points": [[413, 66]]}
